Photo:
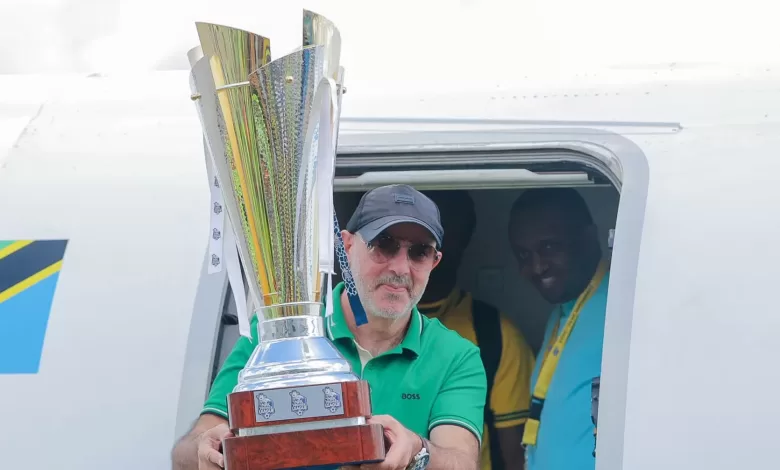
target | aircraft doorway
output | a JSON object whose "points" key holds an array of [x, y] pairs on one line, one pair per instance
{"points": [[489, 270]]}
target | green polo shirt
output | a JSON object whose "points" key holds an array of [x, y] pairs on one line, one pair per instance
{"points": [[434, 376]]}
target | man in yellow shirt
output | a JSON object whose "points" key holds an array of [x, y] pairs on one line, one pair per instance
{"points": [[507, 358]]}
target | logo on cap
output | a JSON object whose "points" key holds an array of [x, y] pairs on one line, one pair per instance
{"points": [[403, 198]]}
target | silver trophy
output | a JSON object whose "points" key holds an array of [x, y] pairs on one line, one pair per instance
{"points": [[270, 130]]}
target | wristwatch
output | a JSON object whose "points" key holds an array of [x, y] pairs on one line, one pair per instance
{"points": [[420, 461]]}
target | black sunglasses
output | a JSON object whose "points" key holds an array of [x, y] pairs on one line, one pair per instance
{"points": [[384, 247]]}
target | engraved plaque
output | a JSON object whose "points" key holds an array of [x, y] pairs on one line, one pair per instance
{"points": [[312, 401]]}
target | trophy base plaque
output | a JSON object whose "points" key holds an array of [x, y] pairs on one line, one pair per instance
{"points": [[298, 404], [327, 448]]}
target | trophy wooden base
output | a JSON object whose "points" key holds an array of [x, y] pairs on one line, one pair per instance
{"points": [[351, 445], [302, 427]]}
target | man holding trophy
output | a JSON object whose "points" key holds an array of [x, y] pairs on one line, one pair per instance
{"points": [[324, 377]]}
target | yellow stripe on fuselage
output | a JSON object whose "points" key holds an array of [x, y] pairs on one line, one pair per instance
{"points": [[14, 247], [30, 281]]}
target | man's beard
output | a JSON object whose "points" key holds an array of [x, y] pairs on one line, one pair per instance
{"points": [[366, 288]]}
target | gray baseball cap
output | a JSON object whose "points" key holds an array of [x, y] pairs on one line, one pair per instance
{"points": [[386, 206]]}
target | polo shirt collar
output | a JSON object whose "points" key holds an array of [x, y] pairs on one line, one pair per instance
{"points": [[338, 329]]}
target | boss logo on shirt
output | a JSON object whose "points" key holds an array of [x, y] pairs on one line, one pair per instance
{"points": [[410, 396]]}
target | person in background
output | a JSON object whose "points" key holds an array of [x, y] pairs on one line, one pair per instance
{"points": [[507, 358], [556, 245]]}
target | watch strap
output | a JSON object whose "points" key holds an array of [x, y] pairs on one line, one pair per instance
{"points": [[420, 460], [425, 445]]}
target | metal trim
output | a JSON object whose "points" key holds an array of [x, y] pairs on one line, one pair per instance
{"points": [[307, 426], [590, 155]]}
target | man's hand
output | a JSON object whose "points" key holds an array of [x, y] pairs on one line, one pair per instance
{"points": [[451, 447], [209, 447], [207, 433], [404, 445]]}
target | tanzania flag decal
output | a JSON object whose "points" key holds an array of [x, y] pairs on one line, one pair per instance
{"points": [[29, 270]]}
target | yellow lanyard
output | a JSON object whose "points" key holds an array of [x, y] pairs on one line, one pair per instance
{"points": [[553, 354]]}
